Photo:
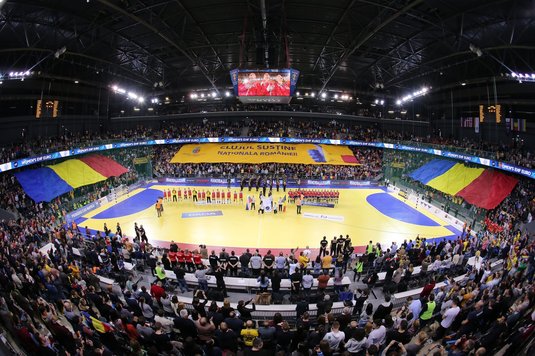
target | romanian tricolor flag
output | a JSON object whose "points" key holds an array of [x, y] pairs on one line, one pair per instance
{"points": [[46, 183], [485, 188], [96, 324]]}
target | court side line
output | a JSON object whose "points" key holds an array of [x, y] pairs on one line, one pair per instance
{"points": [[92, 213], [413, 205]]}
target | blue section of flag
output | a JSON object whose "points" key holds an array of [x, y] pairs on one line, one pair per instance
{"points": [[202, 214], [42, 184], [431, 170]]}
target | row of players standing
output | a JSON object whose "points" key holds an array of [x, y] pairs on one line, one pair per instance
{"points": [[338, 245], [339, 255], [226, 197], [210, 196], [262, 182]]}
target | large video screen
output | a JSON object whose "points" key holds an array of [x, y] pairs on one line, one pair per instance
{"points": [[264, 85]]}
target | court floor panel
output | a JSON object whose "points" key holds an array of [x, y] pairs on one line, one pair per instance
{"points": [[363, 214]]}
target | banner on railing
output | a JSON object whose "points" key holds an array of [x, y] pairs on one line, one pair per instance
{"points": [[527, 172], [290, 184], [83, 210]]}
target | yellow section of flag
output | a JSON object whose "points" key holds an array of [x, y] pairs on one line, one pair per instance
{"points": [[76, 173], [455, 179]]}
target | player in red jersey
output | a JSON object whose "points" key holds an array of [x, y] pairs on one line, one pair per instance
{"points": [[265, 86], [203, 195], [180, 258], [241, 197], [280, 87], [228, 197], [188, 257], [235, 197], [248, 86], [197, 259], [218, 196], [173, 258]]}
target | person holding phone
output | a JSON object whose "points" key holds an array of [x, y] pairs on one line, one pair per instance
{"points": [[397, 346]]}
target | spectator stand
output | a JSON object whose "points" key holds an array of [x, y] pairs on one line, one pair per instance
{"points": [[400, 298], [247, 284], [266, 312]]}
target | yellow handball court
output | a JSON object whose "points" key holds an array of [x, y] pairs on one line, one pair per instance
{"points": [[364, 214]]}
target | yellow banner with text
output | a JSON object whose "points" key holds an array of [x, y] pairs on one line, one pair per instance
{"points": [[265, 153]]}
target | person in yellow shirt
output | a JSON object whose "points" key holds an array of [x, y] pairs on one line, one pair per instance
{"points": [[326, 261], [75, 270], [303, 260], [249, 333]]}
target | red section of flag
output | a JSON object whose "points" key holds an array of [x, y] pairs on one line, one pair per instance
{"points": [[104, 165], [349, 159], [489, 189]]}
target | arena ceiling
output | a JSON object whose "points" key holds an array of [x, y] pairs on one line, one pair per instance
{"points": [[360, 45]]}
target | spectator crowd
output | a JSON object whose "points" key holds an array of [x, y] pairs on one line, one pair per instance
{"points": [[477, 293], [515, 151]]}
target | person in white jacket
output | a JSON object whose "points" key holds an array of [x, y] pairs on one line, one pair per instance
{"points": [[335, 337]]}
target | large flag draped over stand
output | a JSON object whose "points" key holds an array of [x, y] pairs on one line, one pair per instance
{"points": [[485, 188], [47, 183], [248, 152]]}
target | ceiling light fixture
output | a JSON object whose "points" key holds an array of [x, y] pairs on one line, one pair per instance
{"points": [[413, 95], [528, 77]]}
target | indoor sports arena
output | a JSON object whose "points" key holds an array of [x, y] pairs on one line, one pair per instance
{"points": [[267, 177]]}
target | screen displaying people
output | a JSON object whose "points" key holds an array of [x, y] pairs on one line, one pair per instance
{"points": [[264, 83]]}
